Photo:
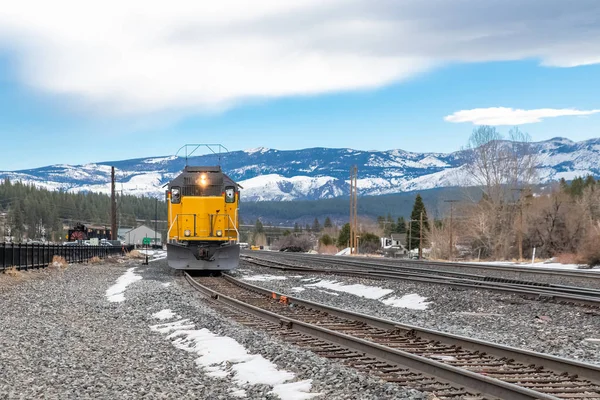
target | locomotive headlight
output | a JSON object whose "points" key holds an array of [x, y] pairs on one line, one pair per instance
{"points": [[187, 232], [202, 180], [219, 233]]}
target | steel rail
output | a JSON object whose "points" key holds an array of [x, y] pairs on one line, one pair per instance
{"points": [[457, 276], [529, 291], [395, 262], [471, 380], [462, 275]]}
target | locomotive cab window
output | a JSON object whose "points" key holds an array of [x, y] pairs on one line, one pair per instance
{"points": [[229, 195], [175, 195]]}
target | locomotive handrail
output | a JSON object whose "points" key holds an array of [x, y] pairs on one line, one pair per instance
{"points": [[234, 227]]}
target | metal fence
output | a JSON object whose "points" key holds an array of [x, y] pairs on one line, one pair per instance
{"points": [[30, 255]]}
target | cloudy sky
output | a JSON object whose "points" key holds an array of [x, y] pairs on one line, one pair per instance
{"points": [[120, 79]]}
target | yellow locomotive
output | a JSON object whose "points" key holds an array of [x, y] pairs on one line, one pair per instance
{"points": [[203, 220]]}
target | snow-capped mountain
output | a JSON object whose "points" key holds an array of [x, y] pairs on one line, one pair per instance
{"points": [[316, 173]]}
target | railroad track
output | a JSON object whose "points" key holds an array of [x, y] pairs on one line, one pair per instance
{"points": [[593, 275], [529, 289], [446, 365]]}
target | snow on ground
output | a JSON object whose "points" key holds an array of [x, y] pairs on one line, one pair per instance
{"points": [[413, 301], [537, 265], [334, 288], [369, 292], [264, 278], [155, 254], [164, 314], [114, 293], [222, 356]]}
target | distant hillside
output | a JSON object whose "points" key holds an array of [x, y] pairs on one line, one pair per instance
{"points": [[308, 174], [286, 213]]}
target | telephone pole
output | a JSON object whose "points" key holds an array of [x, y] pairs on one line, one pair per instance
{"points": [[353, 209], [113, 206], [520, 230], [451, 225], [421, 237]]}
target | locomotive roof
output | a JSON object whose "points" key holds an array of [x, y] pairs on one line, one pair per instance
{"points": [[179, 180]]}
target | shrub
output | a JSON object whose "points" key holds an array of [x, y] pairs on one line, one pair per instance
{"points": [[589, 250], [12, 271], [59, 262]]}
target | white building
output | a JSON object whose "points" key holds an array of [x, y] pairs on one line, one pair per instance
{"points": [[136, 236]]}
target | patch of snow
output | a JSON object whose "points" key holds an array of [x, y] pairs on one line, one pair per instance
{"points": [[412, 301], [115, 292], [221, 356], [172, 326], [369, 292], [264, 278], [164, 314], [297, 289]]}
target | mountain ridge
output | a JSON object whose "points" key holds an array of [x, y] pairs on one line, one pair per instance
{"points": [[307, 174]]}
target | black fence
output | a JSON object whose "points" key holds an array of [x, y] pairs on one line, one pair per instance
{"points": [[24, 255]]}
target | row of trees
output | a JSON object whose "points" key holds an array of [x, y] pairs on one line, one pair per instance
{"points": [[513, 214], [33, 213]]}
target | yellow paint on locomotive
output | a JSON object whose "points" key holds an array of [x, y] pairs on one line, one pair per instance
{"points": [[203, 218]]}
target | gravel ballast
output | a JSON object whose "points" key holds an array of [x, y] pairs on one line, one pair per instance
{"points": [[61, 338], [545, 327]]}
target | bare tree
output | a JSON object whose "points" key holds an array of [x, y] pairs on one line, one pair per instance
{"points": [[498, 166]]}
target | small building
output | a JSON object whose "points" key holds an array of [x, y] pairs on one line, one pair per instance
{"points": [[395, 245], [136, 236]]}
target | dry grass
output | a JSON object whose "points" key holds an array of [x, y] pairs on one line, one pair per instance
{"points": [[328, 249], [94, 260], [13, 272], [135, 254], [58, 262], [567, 258]]}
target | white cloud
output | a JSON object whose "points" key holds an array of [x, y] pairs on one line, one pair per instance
{"points": [[511, 116], [146, 56]]}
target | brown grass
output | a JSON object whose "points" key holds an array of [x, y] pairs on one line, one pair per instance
{"points": [[13, 272], [567, 258], [331, 249], [589, 251], [135, 254], [94, 260], [58, 262]]}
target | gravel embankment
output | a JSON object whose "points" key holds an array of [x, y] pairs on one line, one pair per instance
{"points": [[526, 274], [544, 327], [60, 338]]}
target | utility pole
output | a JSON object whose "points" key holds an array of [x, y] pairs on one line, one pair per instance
{"points": [[520, 230], [113, 206], [155, 219], [353, 209], [421, 237], [451, 226]]}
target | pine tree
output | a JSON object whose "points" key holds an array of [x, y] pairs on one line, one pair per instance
{"points": [[414, 226], [344, 236], [258, 227], [327, 223], [297, 228], [316, 226], [401, 225]]}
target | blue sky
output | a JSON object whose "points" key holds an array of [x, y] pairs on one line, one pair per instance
{"points": [[291, 76]]}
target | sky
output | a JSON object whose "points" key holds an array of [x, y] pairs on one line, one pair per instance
{"points": [[114, 80]]}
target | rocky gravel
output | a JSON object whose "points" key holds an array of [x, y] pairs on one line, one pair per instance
{"points": [[507, 319], [61, 338]]}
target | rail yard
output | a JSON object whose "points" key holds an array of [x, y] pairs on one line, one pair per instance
{"points": [[327, 327]]}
